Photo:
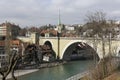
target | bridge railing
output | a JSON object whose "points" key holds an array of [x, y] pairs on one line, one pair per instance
{"points": [[73, 38], [87, 38]]}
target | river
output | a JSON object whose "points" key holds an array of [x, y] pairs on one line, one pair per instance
{"points": [[61, 72]]}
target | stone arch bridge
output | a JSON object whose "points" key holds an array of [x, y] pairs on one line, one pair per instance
{"points": [[61, 44]]}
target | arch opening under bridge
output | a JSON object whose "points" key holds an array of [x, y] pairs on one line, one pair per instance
{"points": [[51, 55], [79, 51]]}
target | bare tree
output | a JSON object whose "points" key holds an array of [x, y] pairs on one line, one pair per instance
{"points": [[97, 22], [12, 57], [5, 71]]}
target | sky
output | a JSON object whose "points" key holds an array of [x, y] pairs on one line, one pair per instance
{"points": [[42, 12]]}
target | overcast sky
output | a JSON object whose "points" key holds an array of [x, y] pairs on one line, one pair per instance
{"points": [[41, 12]]}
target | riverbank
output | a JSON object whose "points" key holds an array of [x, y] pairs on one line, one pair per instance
{"points": [[108, 69], [61, 72], [20, 73], [29, 69], [53, 64], [114, 76], [78, 76]]}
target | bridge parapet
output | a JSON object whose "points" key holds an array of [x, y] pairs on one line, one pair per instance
{"points": [[69, 38], [80, 38]]}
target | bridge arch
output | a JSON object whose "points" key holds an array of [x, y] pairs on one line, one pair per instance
{"points": [[81, 45], [48, 43], [52, 53]]}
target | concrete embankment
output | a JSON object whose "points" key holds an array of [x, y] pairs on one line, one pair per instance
{"points": [[20, 73], [47, 65], [78, 76]]}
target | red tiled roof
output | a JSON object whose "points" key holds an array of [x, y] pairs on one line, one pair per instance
{"points": [[2, 43], [53, 32], [44, 31], [49, 31], [16, 42], [13, 42]]}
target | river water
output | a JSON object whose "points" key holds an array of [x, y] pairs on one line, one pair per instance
{"points": [[61, 72]]}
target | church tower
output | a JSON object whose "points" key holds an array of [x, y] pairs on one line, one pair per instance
{"points": [[59, 25]]}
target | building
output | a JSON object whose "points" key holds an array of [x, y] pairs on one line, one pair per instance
{"points": [[70, 28], [48, 33], [9, 28], [14, 45], [3, 30], [8, 32], [2, 51]]}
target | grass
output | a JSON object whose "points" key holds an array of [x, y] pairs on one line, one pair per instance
{"points": [[114, 76], [107, 69]]}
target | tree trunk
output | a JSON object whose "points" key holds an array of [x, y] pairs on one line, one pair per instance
{"points": [[13, 76], [4, 78]]}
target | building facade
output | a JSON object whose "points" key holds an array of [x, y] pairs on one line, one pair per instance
{"points": [[8, 32]]}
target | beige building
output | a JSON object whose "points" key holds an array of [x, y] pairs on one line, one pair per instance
{"points": [[3, 30]]}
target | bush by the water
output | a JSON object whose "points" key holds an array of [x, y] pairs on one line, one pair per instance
{"points": [[104, 68]]}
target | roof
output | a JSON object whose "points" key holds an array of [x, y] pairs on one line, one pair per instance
{"points": [[2, 43], [53, 32], [13, 42], [16, 42]]}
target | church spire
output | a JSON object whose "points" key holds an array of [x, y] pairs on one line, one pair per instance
{"points": [[59, 23]]}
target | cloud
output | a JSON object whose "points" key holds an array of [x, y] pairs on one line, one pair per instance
{"points": [[116, 12], [70, 6], [36, 12]]}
